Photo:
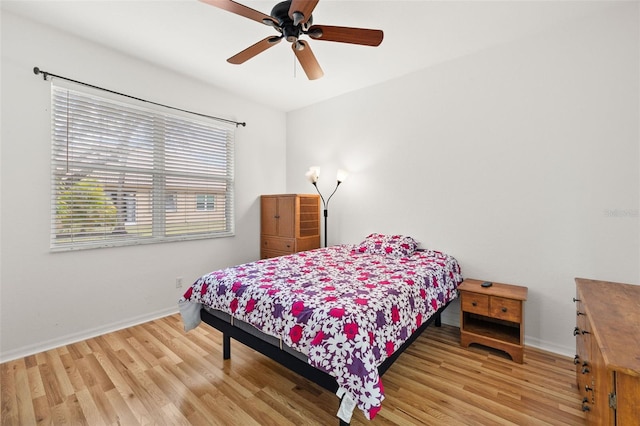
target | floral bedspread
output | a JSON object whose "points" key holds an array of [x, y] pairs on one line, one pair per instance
{"points": [[346, 311]]}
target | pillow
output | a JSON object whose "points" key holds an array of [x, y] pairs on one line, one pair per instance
{"points": [[388, 245]]}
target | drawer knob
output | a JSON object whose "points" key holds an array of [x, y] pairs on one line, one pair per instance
{"points": [[474, 303], [504, 309], [585, 370], [578, 313], [575, 300], [576, 359], [576, 331]]}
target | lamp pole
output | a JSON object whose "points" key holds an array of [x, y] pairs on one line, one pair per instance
{"points": [[313, 175], [325, 206]]}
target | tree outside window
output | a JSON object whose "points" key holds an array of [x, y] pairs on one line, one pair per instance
{"points": [[83, 208]]}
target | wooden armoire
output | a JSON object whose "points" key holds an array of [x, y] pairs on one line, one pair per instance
{"points": [[289, 223]]}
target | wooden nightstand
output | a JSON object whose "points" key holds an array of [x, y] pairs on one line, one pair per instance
{"points": [[493, 316]]}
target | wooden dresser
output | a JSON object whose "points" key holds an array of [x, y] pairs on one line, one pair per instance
{"points": [[608, 351], [289, 223]]}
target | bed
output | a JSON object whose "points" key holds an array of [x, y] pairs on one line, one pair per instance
{"points": [[338, 316]]}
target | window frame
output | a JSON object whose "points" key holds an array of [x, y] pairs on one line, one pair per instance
{"points": [[162, 229]]}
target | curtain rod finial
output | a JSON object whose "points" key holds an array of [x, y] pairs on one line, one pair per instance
{"points": [[37, 71]]}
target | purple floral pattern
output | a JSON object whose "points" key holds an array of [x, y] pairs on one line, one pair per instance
{"points": [[389, 245], [346, 311]]}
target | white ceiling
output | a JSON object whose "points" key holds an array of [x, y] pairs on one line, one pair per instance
{"points": [[195, 39]]}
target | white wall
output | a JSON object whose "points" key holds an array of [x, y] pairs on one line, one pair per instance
{"points": [[522, 161], [47, 299]]}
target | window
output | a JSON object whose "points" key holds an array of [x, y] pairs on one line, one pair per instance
{"points": [[127, 208], [124, 172], [172, 203], [204, 202]]}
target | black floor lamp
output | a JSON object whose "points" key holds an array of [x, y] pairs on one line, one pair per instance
{"points": [[313, 174]]}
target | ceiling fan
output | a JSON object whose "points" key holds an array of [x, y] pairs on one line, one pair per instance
{"points": [[292, 19]]}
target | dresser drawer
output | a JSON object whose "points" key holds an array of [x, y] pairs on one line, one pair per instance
{"points": [[266, 254], [286, 245], [475, 303], [505, 309]]}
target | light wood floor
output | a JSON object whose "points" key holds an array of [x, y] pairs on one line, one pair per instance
{"points": [[155, 373]]}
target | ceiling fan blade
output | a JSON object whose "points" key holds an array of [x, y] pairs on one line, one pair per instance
{"points": [[307, 60], [253, 50], [362, 36], [300, 10], [239, 9]]}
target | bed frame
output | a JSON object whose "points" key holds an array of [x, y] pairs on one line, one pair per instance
{"points": [[294, 363]]}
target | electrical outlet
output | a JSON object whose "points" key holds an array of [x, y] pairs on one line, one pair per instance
{"points": [[178, 282]]}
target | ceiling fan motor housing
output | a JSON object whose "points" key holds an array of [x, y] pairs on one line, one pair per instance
{"points": [[291, 32]]}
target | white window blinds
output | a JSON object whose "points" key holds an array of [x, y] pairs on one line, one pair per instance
{"points": [[124, 172]]}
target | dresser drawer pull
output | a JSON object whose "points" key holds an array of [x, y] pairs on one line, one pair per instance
{"points": [[575, 300], [504, 309], [578, 313], [474, 303], [576, 359], [576, 331], [585, 368]]}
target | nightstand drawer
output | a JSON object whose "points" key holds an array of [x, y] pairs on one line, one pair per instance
{"points": [[475, 303], [505, 309], [281, 244]]}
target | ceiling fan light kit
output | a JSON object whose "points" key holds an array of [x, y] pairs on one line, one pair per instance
{"points": [[293, 19]]}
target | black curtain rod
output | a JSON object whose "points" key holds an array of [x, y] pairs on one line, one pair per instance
{"points": [[46, 74]]}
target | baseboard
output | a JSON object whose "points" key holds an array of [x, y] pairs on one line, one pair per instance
{"points": [[528, 340], [86, 334], [452, 317], [550, 347]]}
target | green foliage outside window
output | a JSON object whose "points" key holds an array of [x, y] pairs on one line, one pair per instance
{"points": [[84, 207]]}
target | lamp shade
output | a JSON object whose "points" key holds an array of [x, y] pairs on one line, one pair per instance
{"points": [[313, 174], [342, 175]]}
